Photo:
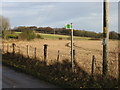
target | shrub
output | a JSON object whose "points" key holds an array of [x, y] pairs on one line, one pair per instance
{"points": [[27, 35], [12, 36], [39, 36], [60, 38], [5, 33]]}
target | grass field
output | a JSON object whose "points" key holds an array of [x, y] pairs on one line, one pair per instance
{"points": [[84, 49], [52, 36], [17, 32]]}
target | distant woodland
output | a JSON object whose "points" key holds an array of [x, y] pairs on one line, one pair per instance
{"points": [[63, 31]]}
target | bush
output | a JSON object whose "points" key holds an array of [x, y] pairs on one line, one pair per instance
{"points": [[5, 33], [12, 36], [27, 35], [39, 36], [60, 38]]}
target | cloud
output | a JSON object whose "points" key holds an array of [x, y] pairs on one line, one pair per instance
{"points": [[57, 0], [84, 15], [113, 16]]}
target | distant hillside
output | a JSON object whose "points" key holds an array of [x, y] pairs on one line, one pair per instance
{"points": [[63, 31]]}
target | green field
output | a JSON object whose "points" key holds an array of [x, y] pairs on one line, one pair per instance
{"points": [[52, 36], [17, 33]]}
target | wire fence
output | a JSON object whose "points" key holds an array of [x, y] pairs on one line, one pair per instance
{"points": [[91, 64]]}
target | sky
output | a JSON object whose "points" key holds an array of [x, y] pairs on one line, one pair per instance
{"points": [[83, 15]]}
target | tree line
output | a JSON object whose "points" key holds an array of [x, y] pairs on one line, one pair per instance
{"points": [[6, 31], [63, 31]]}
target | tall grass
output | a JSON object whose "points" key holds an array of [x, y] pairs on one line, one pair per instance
{"points": [[59, 73]]}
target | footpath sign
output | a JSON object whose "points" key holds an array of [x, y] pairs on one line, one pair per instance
{"points": [[69, 26]]}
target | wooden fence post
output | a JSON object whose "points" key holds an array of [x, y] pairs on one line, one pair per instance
{"points": [[93, 61], [35, 53], [3, 48], [19, 51], [13, 48], [58, 56], [7, 48], [27, 51], [45, 53]]}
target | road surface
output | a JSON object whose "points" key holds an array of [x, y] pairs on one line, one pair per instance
{"points": [[12, 79]]}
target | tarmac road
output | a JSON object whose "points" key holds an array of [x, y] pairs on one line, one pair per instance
{"points": [[12, 79]]}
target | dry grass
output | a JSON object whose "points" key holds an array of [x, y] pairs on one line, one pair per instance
{"points": [[85, 49]]}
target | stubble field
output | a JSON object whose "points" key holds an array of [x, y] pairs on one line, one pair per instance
{"points": [[84, 50]]}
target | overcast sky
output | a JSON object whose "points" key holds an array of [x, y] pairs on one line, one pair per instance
{"points": [[83, 15]]}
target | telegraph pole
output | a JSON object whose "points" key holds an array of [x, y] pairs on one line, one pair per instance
{"points": [[105, 36], [72, 58], [118, 46]]}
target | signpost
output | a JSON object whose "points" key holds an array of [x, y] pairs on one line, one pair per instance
{"points": [[69, 26]]}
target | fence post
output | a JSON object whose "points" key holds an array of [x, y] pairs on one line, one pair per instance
{"points": [[93, 61], [7, 48], [35, 53], [58, 56], [19, 50], [27, 51], [45, 53], [3, 48], [13, 48]]}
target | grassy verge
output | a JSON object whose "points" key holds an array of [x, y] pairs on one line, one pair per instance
{"points": [[58, 73]]}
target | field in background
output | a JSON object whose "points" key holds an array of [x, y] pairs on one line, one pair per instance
{"points": [[84, 49], [52, 36]]}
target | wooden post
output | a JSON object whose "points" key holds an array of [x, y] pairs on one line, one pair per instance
{"points": [[74, 55], [45, 53], [3, 48], [93, 61], [119, 70], [72, 58], [105, 37], [118, 45], [27, 51], [58, 56], [7, 48], [35, 53], [18, 50], [13, 48]]}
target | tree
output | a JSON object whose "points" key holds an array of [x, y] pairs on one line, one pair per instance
{"points": [[4, 26], [113, 35], [27, 35]]}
